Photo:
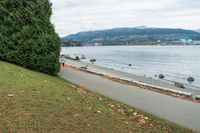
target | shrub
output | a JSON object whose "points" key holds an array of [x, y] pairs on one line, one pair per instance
{"points": [[27, 37]]}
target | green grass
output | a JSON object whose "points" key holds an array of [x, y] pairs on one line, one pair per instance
{"points": [[36, 102]]}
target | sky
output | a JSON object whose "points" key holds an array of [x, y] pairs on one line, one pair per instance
{"points": [[72, 16]]}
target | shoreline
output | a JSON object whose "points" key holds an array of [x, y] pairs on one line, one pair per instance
{"points": [[131, 45], [135, 80], [179, 64]]}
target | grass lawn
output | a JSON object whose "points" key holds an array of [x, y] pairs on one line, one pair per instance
{"points": [[36, 102]]}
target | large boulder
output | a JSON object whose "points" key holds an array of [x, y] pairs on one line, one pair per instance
{"points": [[161, 76], [190, 79]]}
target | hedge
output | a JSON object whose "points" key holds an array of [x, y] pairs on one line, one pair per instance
{"points": [[27, 37]]}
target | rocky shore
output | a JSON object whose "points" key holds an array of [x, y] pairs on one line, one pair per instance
{"points": [[160, 85]]}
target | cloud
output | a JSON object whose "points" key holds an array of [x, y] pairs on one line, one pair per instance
{"points": [[70, 16]]}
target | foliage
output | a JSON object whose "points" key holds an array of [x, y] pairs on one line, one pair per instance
{"points": [[70, 43], [27, 37]]}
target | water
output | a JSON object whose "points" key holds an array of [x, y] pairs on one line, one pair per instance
{"points": [[177, 63]]}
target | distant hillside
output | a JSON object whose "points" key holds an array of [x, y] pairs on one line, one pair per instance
{"points": [[133, 36], [198, 30], [69, 43]]}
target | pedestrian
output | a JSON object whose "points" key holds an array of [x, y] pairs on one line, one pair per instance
{"points": [[62, 62]]}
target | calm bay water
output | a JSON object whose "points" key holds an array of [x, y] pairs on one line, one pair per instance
{"points": [[177, 63]]}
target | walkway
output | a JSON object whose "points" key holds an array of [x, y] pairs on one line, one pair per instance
{"points": [[182, 112]]}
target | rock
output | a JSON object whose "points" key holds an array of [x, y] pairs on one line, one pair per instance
{"points": [[77, 58], [83, 57], [190, 79], [161, 76], [62, 55], [93, 60], [65, 56], [180, 85], [84, 68], [129, 64], [156, 75]]}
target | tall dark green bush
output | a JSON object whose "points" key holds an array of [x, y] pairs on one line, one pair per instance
{"points": [[27, 37]]}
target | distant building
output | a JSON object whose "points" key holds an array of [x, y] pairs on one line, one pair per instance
{"points": [[98, 44], [186, 41], [195, 43]]}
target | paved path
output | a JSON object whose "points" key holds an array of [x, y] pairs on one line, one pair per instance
{"points": [[182, 112]]}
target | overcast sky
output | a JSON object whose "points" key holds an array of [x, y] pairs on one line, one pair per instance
{"points": [[72, 16]]}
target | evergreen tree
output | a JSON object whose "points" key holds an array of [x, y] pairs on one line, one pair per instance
{"points": [[27, 37]]}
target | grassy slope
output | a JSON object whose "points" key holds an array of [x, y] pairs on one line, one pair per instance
{"points": [[42, 103]]}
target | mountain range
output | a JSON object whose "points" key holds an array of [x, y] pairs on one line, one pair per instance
{"points": [[133, 36], [198, 30]]}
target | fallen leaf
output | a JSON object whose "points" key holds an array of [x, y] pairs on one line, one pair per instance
{"points": [[10, 95], [99, 112]]}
